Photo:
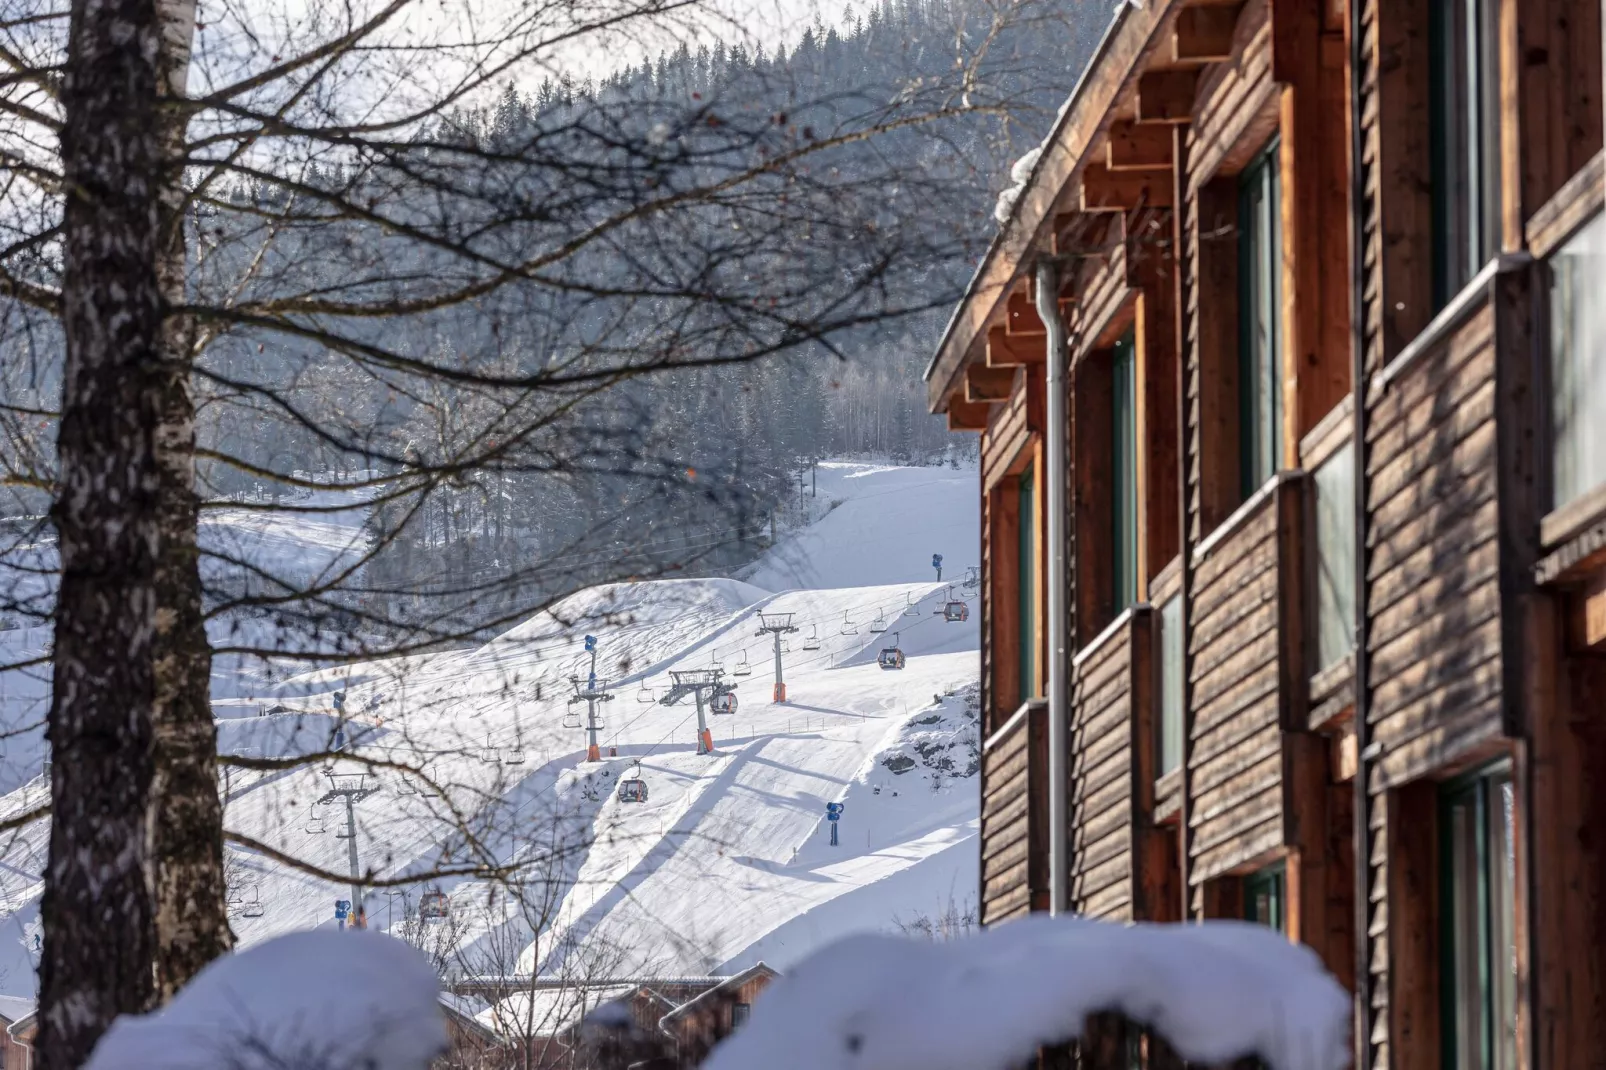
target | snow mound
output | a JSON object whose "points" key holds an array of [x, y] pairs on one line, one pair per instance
{"points": [[310, 999], [1217, 990]]}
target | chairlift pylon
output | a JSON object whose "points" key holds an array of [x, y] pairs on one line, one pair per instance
{"points": [[891, 657]]}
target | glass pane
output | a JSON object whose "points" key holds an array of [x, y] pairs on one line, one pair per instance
{"points": [[1260, 326], [1465, 986], [1578, 362], [1465, 141], [1503, 920], [1028, 587], [1171, 685], [1124, 504], [1263, 898], [1335, 557]]}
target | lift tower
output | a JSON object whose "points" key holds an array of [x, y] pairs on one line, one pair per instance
{"points": [[353, 787], [704, 685], [776, 625], [591, 692]]}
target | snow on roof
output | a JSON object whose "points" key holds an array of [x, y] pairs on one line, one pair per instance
{"points": [[546, 1012], [16, 1008], [319, 998], [1217, 990]]}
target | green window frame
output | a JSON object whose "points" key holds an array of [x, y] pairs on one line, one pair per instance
{"points": [[1265, 897], [1578, 363], [1478, 978], [1124, 472], [1028, 583], [1334, 490], [1260, 320], [1465, 141], [1171, 666]]}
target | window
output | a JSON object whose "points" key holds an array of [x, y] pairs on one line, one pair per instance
{"points": [[739, 1012], [1263, 897], [1479, 984], [1465, 142], [1171, 685], [1260, 312], [1335, 557], [1124, 477], [1578, 362], [1028, 586]]}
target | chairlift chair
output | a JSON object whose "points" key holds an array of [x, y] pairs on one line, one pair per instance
{"points": [[253, 907], [344, 832], [571, 716], [489, 754], [848, 627], [891, 657], [513, 755], [406, 786], [315, 822], [646, 695], [724, 703], [813, 640], [880, 623], [742, 668], [972, 577], [434, 906]]}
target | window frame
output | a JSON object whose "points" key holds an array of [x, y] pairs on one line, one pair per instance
{"points": [[1260, 364], [1463, 109], [1027, 569], [1275, 879], [739, 1014], [1478, 787], [1171, 725]]}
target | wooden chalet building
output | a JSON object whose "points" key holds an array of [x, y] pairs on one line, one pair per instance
{"points": [[1289, 364]]}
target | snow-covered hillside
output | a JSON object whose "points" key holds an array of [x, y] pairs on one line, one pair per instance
{"points": [[728, 860]]}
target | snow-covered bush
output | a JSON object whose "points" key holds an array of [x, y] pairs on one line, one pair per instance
{"points": [[1218, 991], [316, 1000]]}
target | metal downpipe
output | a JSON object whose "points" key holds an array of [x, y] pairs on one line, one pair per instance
{"points": [[1059, 662]]}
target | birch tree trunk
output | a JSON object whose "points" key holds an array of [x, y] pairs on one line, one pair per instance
{"points": [[98, 909], [192, 926]]}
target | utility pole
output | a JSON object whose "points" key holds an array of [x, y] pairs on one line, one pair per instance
{"points": [[591, 693], [353, 788], [701, 684], [776, 624]]}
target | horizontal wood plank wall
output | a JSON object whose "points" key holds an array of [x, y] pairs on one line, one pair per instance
{"points": [[985, 607], [1102, 288], [1235, 804], [1006, 825], [1236, 109], [1433, 602], [1099, 789], [1008, 431]]}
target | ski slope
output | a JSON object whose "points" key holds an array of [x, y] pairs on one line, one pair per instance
{"points": [[475, 762]]}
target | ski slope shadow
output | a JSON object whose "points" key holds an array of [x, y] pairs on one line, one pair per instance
{"points": [[667, 846]]}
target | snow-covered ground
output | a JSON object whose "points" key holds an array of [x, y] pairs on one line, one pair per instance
{"points": [[728, 861]]}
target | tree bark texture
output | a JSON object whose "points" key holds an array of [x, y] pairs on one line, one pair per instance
{"points": [[192, 925], [98, 907]]}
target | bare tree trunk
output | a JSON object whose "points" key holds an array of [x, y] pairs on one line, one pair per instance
{"points": [[98, 911], [192, 925]]}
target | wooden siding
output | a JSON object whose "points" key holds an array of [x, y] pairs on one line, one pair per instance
{"points": [[1102, 821], [1008, 432], [1433, 590], [1014, 817], [1102, 288], [1236, 664], [1236, 108]]}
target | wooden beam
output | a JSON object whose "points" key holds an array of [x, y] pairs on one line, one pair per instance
{"points": [[984, 384], [1005, 350], [1166, 96], [1131, 147], [1204, 34], [968, 415], [1104, 190], [1587, 615], [1021, 315]]}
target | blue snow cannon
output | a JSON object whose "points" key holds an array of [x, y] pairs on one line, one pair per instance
{"points": [[833, 814]]}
